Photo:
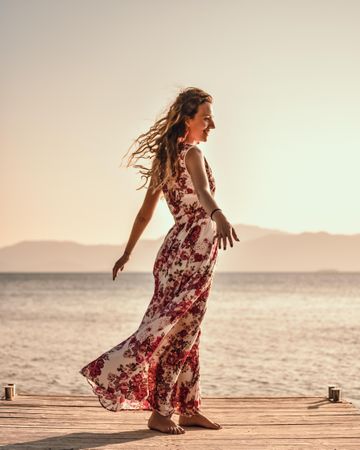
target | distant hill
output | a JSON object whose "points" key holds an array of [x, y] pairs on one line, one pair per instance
{"points": [[259, 250]]}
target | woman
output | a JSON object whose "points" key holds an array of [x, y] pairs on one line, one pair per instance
{"points": [[157, 367]]}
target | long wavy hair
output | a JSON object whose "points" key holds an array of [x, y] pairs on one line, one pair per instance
{"points": [[164, 140]]}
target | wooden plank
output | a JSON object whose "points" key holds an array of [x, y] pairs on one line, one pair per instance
{"points": [[65, 422]]}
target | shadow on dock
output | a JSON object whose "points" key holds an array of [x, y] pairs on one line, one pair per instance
{"points": [[79, 422]]}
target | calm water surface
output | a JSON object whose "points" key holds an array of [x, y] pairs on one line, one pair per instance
{"points": [[263, 333]]}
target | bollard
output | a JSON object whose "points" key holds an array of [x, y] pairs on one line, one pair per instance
{"points": [[330, 391], [336, 395], [9, 392], [14, 387]]}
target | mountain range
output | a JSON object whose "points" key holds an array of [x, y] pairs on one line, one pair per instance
{"points": [[259, 250]]}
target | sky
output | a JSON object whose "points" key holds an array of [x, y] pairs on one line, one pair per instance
{"points": [[80, 80]]}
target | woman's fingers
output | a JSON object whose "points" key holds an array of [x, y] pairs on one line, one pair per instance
{"points": [[116, 268], [224, 242], [221, 242], [225, 238], [219, 236], [230, 238], [234, 234], [224, 235]]}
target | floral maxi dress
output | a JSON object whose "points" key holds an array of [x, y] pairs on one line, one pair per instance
{"points": [[157, 367]]}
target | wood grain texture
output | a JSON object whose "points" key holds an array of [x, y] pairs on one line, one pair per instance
{"points": [[79, 422]]}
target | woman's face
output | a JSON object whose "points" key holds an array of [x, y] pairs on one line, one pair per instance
{"points": [[200, 124]]}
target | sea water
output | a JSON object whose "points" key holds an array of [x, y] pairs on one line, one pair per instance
{"points": [[263, 334]]}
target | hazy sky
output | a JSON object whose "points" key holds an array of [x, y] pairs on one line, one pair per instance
{"points": [[80, 80]]}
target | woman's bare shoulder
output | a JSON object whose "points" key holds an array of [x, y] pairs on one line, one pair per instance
{"points": [[194, 153], [195, 164]]}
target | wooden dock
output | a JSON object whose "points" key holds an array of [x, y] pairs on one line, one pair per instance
{"points": [[79, 422]]}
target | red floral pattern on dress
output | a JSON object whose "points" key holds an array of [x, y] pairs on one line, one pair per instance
{"points": [[157, 367]]}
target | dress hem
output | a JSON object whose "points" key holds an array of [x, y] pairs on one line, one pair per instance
{"points": [[128, 405]]}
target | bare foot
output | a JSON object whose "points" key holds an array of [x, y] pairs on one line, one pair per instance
{"points": [[198, 420], [164, 424]]}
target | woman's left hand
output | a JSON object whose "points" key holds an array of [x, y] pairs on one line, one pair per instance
{"points": [[120, 265]]}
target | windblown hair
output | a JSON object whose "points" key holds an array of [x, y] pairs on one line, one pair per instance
{"points": [[163, 142]]}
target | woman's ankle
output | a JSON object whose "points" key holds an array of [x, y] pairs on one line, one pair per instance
{"points": [[158, 414], [190, 414]]}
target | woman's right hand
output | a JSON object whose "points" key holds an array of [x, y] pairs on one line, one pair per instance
{"points": [[120, 265], [224, 229]]}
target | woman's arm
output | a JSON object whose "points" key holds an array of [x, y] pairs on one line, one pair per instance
{"points": [[195, 165], [142, 219]]}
